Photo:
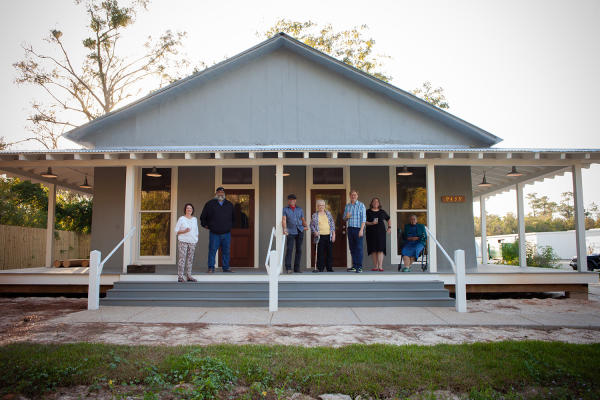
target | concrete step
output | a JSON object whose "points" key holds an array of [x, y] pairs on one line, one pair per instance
{"points": [[291, 294]]}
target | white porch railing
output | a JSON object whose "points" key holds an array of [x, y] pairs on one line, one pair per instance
{"points": [[274, 266], [96, 269], [458, 266]]}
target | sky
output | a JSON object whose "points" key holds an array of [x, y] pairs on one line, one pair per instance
{"points": [[526, 71]]}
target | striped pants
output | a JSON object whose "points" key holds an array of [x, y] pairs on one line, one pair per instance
{"points": [[185, 256]]}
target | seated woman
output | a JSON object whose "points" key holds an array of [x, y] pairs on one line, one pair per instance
{"points": [[415, 237]]}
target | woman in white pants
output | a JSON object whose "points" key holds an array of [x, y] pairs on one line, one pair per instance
{"points": [[187, 237]]}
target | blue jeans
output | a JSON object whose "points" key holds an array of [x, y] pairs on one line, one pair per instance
{"points": [[356, 247], [290, 241], [214, 242]]}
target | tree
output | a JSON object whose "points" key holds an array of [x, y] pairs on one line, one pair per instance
{"points": [[353, 48], [349, 46], [565, 208], [541, 206], [434, 97], [82, 91], [23, 203], [3, 144]]}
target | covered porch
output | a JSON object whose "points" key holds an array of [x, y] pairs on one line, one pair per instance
{"points": [[274, 171]]}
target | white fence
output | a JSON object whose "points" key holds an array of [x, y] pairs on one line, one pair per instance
{"points": [[563, 242]]}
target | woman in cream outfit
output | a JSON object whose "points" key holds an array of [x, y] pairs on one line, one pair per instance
{"points": [[187, 237]]}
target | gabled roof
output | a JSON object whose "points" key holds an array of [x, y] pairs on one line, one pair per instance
{"points": [[279, 41]]}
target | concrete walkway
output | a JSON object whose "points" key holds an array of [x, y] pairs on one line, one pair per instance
{"points": [[502, 313], [331, 316]]}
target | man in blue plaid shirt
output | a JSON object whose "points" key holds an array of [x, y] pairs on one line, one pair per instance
{"points": [[355, 215]]}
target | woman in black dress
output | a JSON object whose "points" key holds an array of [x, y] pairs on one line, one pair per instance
{"points": [[376, 231]]}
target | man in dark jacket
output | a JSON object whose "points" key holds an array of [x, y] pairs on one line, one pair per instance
{"points": [[218, 216]]}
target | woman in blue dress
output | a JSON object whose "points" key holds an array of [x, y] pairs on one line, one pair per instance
{"points": [[415, 237]]}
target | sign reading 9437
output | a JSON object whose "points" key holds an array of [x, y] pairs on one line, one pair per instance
{"points": [[453, 199]]}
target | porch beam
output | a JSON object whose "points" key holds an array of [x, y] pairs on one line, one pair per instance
{"points": [[482, 224], [129, 220], [579, 219], [190, 156], [521, 224], [431, 217], [50, 224], [111, 156], [55, 157]]}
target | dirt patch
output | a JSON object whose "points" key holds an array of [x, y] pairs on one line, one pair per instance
{"points": [[32, 320]]}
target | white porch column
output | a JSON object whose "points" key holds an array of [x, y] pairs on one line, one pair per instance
{"points": [[129, 219], [431, 246], [579, 219], [50, 224], [482, 220], [278, 208], [521, 223]]}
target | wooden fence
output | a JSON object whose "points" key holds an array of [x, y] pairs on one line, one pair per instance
{"points": [[22, 247]]}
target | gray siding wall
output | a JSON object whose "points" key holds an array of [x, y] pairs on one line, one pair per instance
{"points": [[454, 221], [196, 185], [373, 182], [108, 214], [281, 98]]}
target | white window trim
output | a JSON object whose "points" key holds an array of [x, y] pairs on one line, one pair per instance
{"points": [[395, 257], [171, 259], [254, 185]]}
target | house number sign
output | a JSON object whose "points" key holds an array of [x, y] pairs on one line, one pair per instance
{"points": [[453, 199]]}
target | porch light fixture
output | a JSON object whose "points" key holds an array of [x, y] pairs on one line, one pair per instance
{"points": [[484, 182], [514, 172], [154, 173], [85, 184], [49, 174], [405, 172]]}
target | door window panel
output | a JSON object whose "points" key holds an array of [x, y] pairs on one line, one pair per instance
{"points": [[241, 209]]}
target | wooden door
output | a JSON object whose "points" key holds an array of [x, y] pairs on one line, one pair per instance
{"points": [[335, 201], [242, 233]]}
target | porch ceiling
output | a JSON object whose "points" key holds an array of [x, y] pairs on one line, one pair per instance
{"points": [[72, 166]]}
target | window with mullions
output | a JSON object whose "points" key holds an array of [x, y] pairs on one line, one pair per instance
{"points": [[411, 191], [155, 213]]}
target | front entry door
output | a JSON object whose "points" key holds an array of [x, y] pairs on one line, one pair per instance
{"points": [[335, 201], [242, 234]]}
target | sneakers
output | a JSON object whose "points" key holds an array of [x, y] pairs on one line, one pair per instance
{"points": [[358, 270], [190, 279], [180, 279], [210, 271], [351, 269], [405, 269], [229, 271]]}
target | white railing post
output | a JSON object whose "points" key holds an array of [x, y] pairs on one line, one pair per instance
{"points": [[94, 280], [460, 286], [274, 270]]}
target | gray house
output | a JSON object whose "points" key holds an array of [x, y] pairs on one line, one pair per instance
{"points": [[284, 118]]}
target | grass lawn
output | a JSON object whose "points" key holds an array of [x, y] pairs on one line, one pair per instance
{"points": [[482, 370]]}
